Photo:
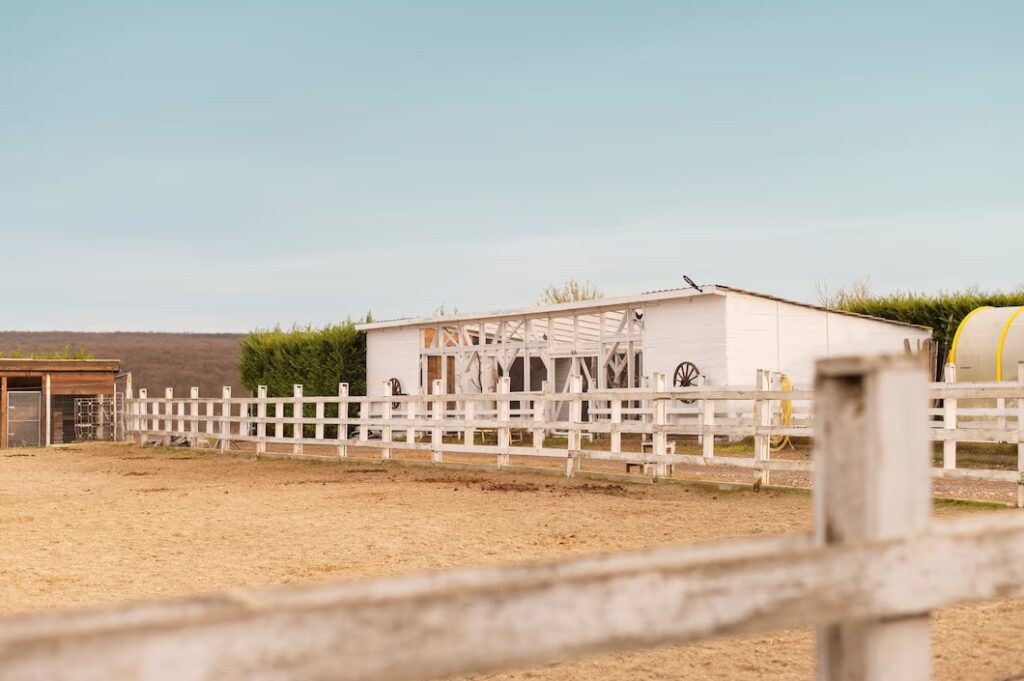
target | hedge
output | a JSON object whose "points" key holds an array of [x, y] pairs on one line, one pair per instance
{"points": [[942, 311], [318, 358]]}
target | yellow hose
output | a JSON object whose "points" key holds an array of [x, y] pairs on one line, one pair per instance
{"points": [[785, 416]]}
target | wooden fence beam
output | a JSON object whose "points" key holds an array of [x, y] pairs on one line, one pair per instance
{"points": [[433, 625]]}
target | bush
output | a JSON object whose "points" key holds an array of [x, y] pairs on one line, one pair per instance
{"points": [[319, 359]]}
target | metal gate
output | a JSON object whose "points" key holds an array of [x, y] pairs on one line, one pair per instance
{"points": [[24, 413], [94, 418]]}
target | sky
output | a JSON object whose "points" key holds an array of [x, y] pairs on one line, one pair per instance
{"points": [[222, 166]]}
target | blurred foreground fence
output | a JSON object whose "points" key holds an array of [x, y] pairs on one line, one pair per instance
{"points": [[867, 577], [522, 424]]}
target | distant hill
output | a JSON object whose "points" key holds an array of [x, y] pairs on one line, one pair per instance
{"points": [[156, 360]]}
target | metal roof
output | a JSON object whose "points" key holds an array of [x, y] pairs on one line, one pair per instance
{"points": [[612, 302]]}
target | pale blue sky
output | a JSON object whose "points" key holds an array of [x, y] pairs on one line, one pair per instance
{"points": [[222, 165]]}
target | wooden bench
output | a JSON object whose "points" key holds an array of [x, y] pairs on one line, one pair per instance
{"points": [[646, 447]]}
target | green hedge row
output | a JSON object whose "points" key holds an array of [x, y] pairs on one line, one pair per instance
{"points": [[943, 311], [318, 358]]}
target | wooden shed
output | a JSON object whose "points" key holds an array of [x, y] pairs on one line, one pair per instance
{"points": [[44, 401]]}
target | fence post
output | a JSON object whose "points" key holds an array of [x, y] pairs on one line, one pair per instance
{"points": [[437, 414], [469, 413], [540, 405], [319, 410], [659, 438], [615, 440], [129, 411], [411, 411], [707, 423], [949, 419], [211, 428], [167, 425], [193, 413], [762, 419], [1020, 434], [872, 464], [342, 420], [225, 416], [179, 408], [143, 411], [385, 430], [261, 424], [504, 414], [574, 437], [364, 415], [296, 417]]}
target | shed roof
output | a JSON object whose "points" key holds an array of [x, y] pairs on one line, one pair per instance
{"points": [[613, 302], [51, 366]]}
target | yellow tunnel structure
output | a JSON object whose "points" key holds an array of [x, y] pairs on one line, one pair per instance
{"points": [[989, 344]]}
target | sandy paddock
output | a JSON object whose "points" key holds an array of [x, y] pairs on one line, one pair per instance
{"points": [[100, 524]]}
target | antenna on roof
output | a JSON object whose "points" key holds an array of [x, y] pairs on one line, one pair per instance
{"points": [[691, 283]]}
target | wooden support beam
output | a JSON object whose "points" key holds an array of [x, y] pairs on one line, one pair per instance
{"points": [[47, 410], [385, 431], [225, 426], [342, 416], [872, 483], [949, 419], [3, 412], [437, 432], [193, 411], [297, 392], [1020, 438]]}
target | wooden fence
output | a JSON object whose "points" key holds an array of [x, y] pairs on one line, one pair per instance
{"points": [[867, 577], [506, 425]]}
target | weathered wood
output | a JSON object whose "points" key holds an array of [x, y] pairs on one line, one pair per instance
{"points": [[871, 482], [342, 420], [385, 431], [261, 415], [433, 625], [437, 416], [225, 423], [1020, 438], [949, 420], [504, 434], [699, 421]]}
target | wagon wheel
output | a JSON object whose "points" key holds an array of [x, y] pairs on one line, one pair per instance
{"points": [[685, 376], [396, 389]]}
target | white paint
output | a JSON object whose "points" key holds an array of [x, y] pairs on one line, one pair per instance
{"points": [[687, 330], [393, 353], [779, 336]]}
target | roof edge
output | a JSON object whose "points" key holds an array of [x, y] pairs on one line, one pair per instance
{"points": [[616, 301]]}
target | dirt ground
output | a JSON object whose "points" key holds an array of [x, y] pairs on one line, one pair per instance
{"points": [[90, 525]]}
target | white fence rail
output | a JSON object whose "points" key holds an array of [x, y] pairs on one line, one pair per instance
{"points": [[867, 577], [506, 424]]}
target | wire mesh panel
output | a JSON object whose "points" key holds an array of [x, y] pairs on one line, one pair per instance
{"points": [[94, 418], [62, 419], [24, 411]]}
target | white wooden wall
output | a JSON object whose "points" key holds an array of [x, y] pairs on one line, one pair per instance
{"points": [[687, 330], [393, 353], [769, 334]]}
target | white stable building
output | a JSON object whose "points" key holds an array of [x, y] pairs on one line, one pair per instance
{"points": [[723, 333]]}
